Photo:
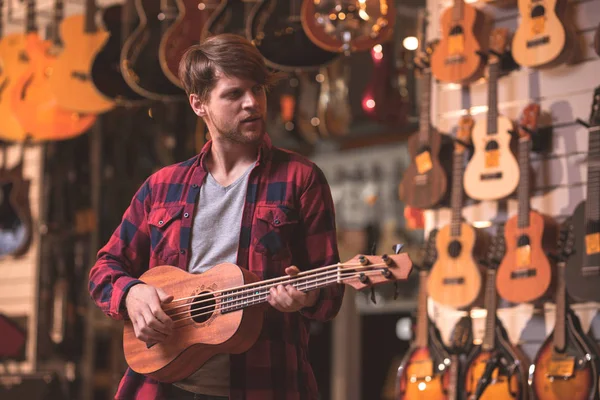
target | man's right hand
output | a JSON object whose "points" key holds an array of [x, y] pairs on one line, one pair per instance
{"points": [[150, 323]]}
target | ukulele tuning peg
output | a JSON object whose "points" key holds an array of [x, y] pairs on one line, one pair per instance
{"points": [[363, 260], [398, 248], [387, 260], [373, 299]]}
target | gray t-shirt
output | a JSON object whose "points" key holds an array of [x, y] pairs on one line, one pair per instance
{"points": [[215, 240]]}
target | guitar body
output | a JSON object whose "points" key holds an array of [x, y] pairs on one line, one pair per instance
{"points": [[455, 279], [525, 273], [14, 61], [583, 384], [493, 171], [140, 63], [193, 343], [229, 17], [333, 108], [504, 385], [34, 104], [106, 67], [424, 190], [71, 80], [455, 58], [540, 39], [185, 32], [582, 285], [275, 29]]}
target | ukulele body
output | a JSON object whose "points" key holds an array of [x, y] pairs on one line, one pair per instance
{"points": [[455, 58], [34, 104], [583, 384], [493, 171], [184, 32], [540, 39], [15, 62], [504, 385], [455, 279], [71, 79], [526, 273], [140, 63], [106, 68], [193, 342], [276, 30], [583, 285], [427, 189]]}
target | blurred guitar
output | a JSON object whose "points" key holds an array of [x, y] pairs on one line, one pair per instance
{"points": [[71, 77], [231, 16]]}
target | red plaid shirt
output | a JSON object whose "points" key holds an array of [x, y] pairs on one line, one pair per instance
{"points": [[288, 219]]}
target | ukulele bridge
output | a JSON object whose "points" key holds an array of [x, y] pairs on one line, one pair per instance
{"points": [[538, 42], [523, 273]]}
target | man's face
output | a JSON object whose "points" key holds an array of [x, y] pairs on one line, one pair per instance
{"points": [[235, 110]]}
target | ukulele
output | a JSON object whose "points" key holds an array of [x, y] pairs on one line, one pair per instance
{"points": [[15, 212], [14, 63], [425, 181], [423, 372], [457, 57], [566, 366], [140, 63], [71, 78], [340, 26], [497, 369], [106, 68], [493, 171], [275, 29], [541, 38], [526, 273], [455, 279], [33, 101], [582, 273], [182, 34], [215, 312], [231, 16]]}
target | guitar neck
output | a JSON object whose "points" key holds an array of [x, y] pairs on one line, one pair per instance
{"points": [[458, 10], [422, 320], [492, 114], [592, 203], [90, 14], [523, 191], [490, 305], [425, 116], [453, 381], [457, 193], [30, 24], [559, 339]]}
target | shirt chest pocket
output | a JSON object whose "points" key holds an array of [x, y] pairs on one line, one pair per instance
{"points": [[165, 229], [275, 228]]}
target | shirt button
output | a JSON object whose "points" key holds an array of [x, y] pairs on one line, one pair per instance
{"points": [[194, 186], [186, 215], [160, 222], [276, 222], [182, 251]]}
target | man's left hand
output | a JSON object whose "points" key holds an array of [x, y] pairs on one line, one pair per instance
{"points": [[286, 298]]}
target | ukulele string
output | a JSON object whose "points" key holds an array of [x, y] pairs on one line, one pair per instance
{"points": [[261, 297], [251, 289]]}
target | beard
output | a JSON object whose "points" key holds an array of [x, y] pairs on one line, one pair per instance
{"points": [[237, 132]]}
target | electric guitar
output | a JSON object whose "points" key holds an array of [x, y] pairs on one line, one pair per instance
{"points": [[33, 101], [566, 366], [465, 32], [275, 29], [455, 279], [182, 34], [215, 312], [425, 181], [497, 369], [493, 172], [526, 273], [423, 373], [140, 62], [71, 78], [119, 20], [582, 274], [541, 38]]}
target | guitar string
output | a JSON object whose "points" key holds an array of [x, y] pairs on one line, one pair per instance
{"points": [[260, 299], [253, 287]]}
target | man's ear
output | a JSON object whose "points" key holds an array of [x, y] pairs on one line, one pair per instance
{"points": [[197, 105]]}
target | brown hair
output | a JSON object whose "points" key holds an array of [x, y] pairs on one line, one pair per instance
{"points": [[231, 54]]}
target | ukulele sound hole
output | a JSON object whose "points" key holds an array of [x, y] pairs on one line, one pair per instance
{"points": [[203, 307], [491, 145], [523, 240], [454, 248]]}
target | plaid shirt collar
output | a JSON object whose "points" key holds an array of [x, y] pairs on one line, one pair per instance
{"points": [[264, 152]]}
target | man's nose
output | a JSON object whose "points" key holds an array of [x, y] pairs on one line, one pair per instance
{"points": [[250, 100]]}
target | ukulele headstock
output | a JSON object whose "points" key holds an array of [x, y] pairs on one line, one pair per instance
{"points": [[430, 251], [498, 42], [529, 120], [496, 251], [463, 133], [566, 241], [595, 113], [364, 271]]}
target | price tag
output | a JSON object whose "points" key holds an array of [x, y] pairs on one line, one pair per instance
{"points": [[523, 256], [456, 44], [592, 243], [423, 161], [492, 158], [561, 367], [538, 25]]}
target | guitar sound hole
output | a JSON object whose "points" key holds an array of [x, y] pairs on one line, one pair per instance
{"points": [[491, 145], [203, 307], [456, 30], [538, 11], [454, 248], [523, 240]]}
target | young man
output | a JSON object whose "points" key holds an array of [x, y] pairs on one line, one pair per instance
{"points": [[241, 200]]}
